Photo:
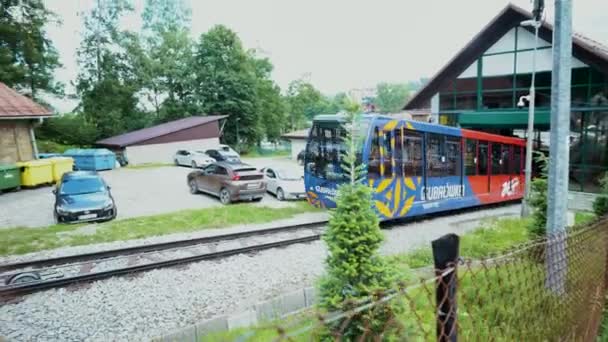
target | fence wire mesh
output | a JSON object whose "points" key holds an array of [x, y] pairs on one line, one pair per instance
{"points": [[547, 290]]}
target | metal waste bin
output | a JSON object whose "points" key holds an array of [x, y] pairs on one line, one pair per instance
{"points": [[10, 177], [36, 172]]}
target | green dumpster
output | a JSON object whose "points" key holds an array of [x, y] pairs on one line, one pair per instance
{"points": [[10, 177]]}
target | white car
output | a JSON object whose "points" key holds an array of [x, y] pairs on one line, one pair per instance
{"points": [[194, 159], [284, 185]]}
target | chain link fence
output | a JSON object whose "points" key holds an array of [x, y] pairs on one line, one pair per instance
{"points": [[546, 290]]}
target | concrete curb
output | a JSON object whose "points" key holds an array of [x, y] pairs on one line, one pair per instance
{"points": [[277, 307]]}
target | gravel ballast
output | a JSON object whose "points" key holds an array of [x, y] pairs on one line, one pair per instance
{"points": [[154, 303]]}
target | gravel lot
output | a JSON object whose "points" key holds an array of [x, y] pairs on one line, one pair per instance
{"points": [[138, 192], [160, 301]]}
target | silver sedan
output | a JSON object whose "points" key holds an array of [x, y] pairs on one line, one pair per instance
{"points": [[283, 184]]}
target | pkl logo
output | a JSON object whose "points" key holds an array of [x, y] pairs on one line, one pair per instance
{"points": [[509, 187]]}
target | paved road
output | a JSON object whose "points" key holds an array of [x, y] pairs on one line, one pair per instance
{"points": [[138, 192]]}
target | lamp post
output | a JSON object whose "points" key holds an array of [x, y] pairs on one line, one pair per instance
{"points": [[525, 208]]}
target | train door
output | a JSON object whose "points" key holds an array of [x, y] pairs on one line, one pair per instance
{"points": [[500, 179], [483, 167], [476, 167]]}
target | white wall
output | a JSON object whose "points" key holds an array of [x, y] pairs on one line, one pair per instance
{"points": [[297, 145], [163, 153]]}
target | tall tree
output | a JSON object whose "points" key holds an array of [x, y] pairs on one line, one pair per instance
{"points": [[27, 56], [269, 106], [227, 85], [304, 101], [107, 83], [166, 15], [166, 64], [391, 97]]}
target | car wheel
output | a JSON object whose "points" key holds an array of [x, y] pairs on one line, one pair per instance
{"points": [[225, 196], [114, 213], [194, 166], [176, 162], [280, 194], [56, 217], [193, 187], [257, 199]]}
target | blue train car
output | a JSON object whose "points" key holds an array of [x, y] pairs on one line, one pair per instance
{"points": [[415, 168]]}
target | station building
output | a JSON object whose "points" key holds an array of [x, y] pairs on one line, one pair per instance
{"points": [[480, 87]]}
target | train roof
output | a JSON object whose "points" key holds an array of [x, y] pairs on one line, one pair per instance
{"points": [[429, 127]]}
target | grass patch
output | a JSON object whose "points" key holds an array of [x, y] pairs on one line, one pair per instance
{"points": [[147, 166], [26, 240], [258, 154], [583, 217], [491, 238]]}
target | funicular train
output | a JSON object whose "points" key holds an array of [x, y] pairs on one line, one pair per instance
{"points": [[415, 168]]}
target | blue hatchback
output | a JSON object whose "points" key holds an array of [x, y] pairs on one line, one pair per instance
{"points": [[83, 196]]}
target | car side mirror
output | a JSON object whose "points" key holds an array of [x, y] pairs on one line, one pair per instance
{"points": [[54, 191]]}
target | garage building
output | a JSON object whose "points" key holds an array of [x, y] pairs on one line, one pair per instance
{"points": [[158, 144], [18, 117], [297, 140]]}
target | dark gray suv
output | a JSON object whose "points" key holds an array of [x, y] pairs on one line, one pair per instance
{"points": [[228, 181]]}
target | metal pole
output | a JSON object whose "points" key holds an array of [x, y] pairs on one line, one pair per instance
{"points": [[445, 256], [525, 207], [557, 206]]}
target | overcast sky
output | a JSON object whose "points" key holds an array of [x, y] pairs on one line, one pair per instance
{"points": [[340, 44]]}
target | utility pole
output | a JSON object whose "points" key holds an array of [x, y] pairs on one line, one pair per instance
{"points": [[559, 152]]}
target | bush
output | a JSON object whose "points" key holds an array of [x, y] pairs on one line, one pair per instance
{"points": [[600, 205]]}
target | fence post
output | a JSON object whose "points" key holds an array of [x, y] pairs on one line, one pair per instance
{"points": [[445, 255]]}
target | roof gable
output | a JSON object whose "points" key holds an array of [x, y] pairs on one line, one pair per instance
{"points": [[586, 50], [15, 105], [158, 130]]}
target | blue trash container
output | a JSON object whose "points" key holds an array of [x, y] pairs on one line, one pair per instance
{"points": [[92, 159]]}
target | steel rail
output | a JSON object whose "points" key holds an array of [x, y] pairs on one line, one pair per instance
{"points": [[150, 248], [26, 288]]}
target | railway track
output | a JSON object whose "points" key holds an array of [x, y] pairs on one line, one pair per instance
{"points": [[37, 275]]}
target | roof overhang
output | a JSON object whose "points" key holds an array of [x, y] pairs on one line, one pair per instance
{"points": [[25, 117], [511, 16]]}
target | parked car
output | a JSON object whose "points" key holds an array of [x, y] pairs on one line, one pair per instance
{"points": [[83, 196], [300, 158], [194, 159], [228, 181], [284, 185], [224, 154]]}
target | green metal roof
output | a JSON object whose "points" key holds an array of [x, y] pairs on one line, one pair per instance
{"points": [[503, 119]]}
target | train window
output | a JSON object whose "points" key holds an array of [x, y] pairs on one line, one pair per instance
{"points": [[323, 151], [398, 152], [412, 154], [373, 167], [506, 159], [470, 157], [435, 157], [482, 158], [453, 156], [388, 154], [516, 164], [496, 158]]}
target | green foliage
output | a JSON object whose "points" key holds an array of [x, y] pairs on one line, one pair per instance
{"points": [[27, 56], [391, 97], [227, 84], [538, 199], [269, 106], [166, 15], [355, 269], [68, 129], [600, 205], [304, 102]]}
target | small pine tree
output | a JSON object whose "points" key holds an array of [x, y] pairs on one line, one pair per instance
{"points": [[355, 270], [538, 199]]}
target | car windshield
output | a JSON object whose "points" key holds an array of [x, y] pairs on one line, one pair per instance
{"points": [[81, 186], [284, 175]]}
